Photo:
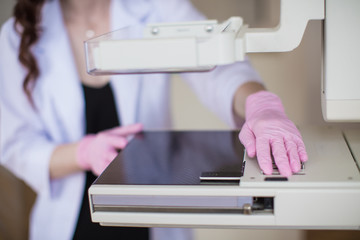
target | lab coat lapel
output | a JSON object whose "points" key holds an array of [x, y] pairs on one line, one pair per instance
{"points": [[62, 99]]}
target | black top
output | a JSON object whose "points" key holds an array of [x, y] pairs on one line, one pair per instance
{"points": [[100, 109], [101, 114]]}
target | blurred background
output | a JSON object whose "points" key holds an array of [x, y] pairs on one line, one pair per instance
{"points": [[294, 76]]}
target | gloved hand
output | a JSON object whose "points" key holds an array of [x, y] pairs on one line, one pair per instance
{"points": [[267, 130], [96, 151]]}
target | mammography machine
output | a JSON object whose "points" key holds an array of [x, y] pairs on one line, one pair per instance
{"points": [[204, 178]]}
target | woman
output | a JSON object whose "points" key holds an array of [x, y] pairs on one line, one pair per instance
{"points": [[59, 126]]}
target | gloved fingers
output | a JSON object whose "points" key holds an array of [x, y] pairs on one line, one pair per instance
{"points": [[300, 144], [280, 156], [264, 155], [301, 150], [103, 161], [115, 141], [110, 156], [100, 167], [247, 138], [125, 130], [293, 155]]}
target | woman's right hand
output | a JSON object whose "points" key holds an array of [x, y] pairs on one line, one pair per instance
{"points": [[96, 151]]}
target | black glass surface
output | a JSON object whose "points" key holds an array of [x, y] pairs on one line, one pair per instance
{"points": [[175, 158]]}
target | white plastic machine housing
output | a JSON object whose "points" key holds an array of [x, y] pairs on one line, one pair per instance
{"points": [[341, 80]]}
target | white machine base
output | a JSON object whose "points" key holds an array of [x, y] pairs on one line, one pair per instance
{"points": [[325, 195]]}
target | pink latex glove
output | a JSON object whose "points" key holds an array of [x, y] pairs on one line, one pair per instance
{"points": [[267, 130], [96, 151]]}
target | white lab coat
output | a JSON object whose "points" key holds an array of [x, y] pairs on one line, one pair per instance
{"points": [[29, 136]]}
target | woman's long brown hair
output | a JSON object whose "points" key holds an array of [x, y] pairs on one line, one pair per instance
{"points": [[27, 15]]}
